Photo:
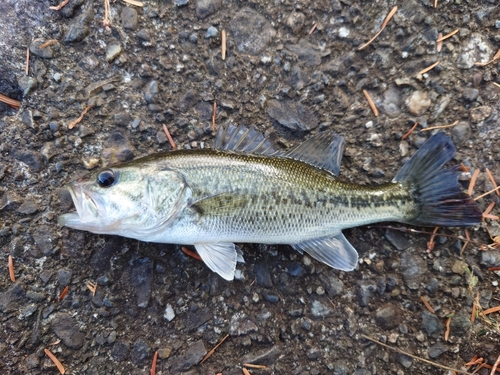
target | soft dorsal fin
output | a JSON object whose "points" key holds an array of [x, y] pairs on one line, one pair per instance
{"points": [[243, 139], [322, 151]]}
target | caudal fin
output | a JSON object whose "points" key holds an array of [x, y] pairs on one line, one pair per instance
{"points": [[440, 199]]}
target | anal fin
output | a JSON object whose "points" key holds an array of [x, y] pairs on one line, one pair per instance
{"points": [[220, 257], [335, 251]]}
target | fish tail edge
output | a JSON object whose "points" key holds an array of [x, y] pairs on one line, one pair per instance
{"points": [[437, 193]]}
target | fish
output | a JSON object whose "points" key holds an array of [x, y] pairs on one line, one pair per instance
{"points": [[243, 190]]}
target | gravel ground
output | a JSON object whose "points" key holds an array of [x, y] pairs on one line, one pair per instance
{"points": [[162, 64]]}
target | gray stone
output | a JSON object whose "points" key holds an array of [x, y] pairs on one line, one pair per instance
{"points": [[120, 351], [388, 316], [397, 239], [66, 328], [144, 35], [476, 48], [404, 360], [196, 318], [27, 84], [204, 8], [479, 114], [46, 53], [113, 51], [461, 133], [32, 361], [295, 269], [27, 118], [413, 269], [305, 52], [28, 207], [44, 236], [460, 324], [151, 92], [129, 18], [418, 103], [470, 94], [187, 101], [265, 357], [33, 159], [332, 284], [319, 310], [181, 3], [140, 352], [139, 275], [292, 115], [78, 29], [64, 276], [295, 21], [436, 350], [366, 291], [490, 258], [251, 31], [11, 299], [313, 354], [35, 296], [16, 247], [241, 324], [262, 275], [211, 32], [431, 325], [190, 358]]}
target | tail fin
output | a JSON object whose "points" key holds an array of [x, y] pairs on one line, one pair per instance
{"points": [[440, 199]]}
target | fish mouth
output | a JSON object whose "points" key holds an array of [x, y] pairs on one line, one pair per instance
{"points": [[87, 209]]}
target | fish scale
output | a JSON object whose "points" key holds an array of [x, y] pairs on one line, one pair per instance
{"points": [[244, 190]]}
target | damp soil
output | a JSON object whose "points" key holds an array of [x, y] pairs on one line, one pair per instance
{"points": [[162, 64]]}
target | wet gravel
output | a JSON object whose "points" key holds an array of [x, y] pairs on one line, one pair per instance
{"points": [[162, 64]]}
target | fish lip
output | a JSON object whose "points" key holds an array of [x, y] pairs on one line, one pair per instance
{"points": [[84, 203]]}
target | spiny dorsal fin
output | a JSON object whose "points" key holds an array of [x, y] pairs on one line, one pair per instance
{"points": [[243, 139], [322, 151]]}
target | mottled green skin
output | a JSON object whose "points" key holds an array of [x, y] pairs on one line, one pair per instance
{"points": [[266, 199]]}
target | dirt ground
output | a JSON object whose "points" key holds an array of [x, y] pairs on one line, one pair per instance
{"points": [[162, 63]]}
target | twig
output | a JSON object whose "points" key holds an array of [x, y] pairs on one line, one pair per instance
{"points": [[430, 244], [409, 132], [27, 69], [440, 39], [496, 84], [488, 192], [133, 2], [447, 332], [73, 123], [414, 356], [59, 7], [223, 37], [63, 293], [495, 366], [169, 137], [48, 43], [439, 43], [427, 305], [92, 287], [245, 371], [190, 253], [435, 3], [493, 182], [55, 360], [384, 24], [214, 113], [12, 102], [486, 213], [467, 236], [11, 269], [423, 71], [440, 127], [372, 104], [312, 29], [491, 310], [472, 182], [153, 366], [106, 21], [474, 308], [214, 349]]}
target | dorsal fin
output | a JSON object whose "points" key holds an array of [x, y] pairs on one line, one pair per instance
{"points": [[321, 150], [243, 139]]}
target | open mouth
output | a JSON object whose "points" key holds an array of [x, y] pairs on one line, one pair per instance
{"points": [[86, 209]]}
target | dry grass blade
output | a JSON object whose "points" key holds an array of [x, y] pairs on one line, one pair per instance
{"points": [[312, 29], [190, 253], [427, 304], [372, 104], [447, 332], [133, 2], [440, 127], [214, 114], [214, 349], [472, 182], [431, 243], [494, 368], [59, 7], [12, 102], [486, 213], [414, 356], [496, 84], [92, 287], [11, 269], [73, 123], [435, 3], [441, 38], [493, 182], [223, 37], [55, 360], [384, 24], [169, 137], [106, 21], [474, 308], [491, 310], [409, 132], [153, 366], [423, 71], [249, 365], [467, 236], [487, 193], [245, 371], [48, 43], [27, 68]]}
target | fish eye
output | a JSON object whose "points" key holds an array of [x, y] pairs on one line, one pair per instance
{"points": [[106, 178]]}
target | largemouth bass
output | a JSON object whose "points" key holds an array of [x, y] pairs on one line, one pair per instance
{"points": [[244, 191]]}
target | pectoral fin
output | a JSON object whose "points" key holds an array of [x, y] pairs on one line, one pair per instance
{"points": [[336, 252], [220, 257]]}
